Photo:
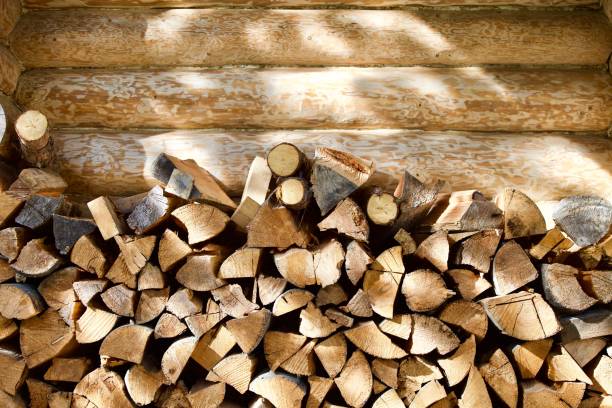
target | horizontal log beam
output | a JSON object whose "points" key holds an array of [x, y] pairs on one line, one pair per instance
{"points": [[417, 97], [10, 69], [213, 37], [10, 10], [545, 166]]}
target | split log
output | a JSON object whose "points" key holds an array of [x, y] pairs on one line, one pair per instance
{"points": [[430, 334], [522, 315], [297, 266], [68, 230], [477, 250], [591, 256], [355, 380], [86, 290], [14, 371], [213, 347], [428, 395], [475, 393], [179, 184], [457, 366], [173, 396], [168, 326], [381, 281], [171, 250], [106, 218], [435, 249], [58, 292], [120, 274], [184, 302], [498, 373], [313, 324], [8, 328], [44, 337], [530, 356], [232, 301], [293, 193], [347, 218], [562, 289], [522, 217], [275, 228], [416, 199], [562, 367], [257, 181], [302, 362], [250, 330], [356, 261], [151, 277], [318, 389], [33, 133], [88, 254], [425, 290], [330, 295], [282, 390], [38, 210], [469, 284], [202, 221], [388, 399], [386, 371], [327, 260], [150, 212], [204, 394], [136, 251], [200, 273], [37, 259], [583, 351], [103, 388], [20, 301], [280, 346], [244, 213], [602, 374], [598, 284], [512, 269], [12, 240], [151, 304], [201, 323], [332, 353], [126, 343], [39, 393], [585, 219], [413, 372], [244, 263], [120, 300], [68, 369], [468, 315], [38, 181], [9, 207], [359, 305], [142, 382], [468, 211], [536, 394], [6, 271], [382, 208], [175, 358], [404, 238], [554, 240], [237, 370], [368, 338], [594, 323], [400, 326], [94, 325]]}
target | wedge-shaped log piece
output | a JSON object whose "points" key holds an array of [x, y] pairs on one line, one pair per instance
{"points": [[425, 290], [175, 358], [470, 316], [586, 219], [327, 261], [469, 284], [127, 343], [200, 272], [269, 288], [332, 353], [498, 373], [20, 301], [522, 315], [68, 369], [180, 185], [382, 280], [120, 300], [9, 207], [150, 277], [302, 362], [275, 228], [477, 250], [359, 305], [232, 301], [368, 338], [201, 323], [103, 388], [168, 326], [530, 356], [598, 284], [435, 249], [313, 324], [171, 251], [331, 295], [280, 346], [236, 370], [583, 351], [38, 211], [475, 393], [212, 347], [184, 302], [250, 330], [244, 263], [204, 394], [120, 274], [44, 337], [8, 328], [68, 230], [554, 240], [512, 269], [400, 326], [340, 318], [282, 390], [142, 382], [356, 261], [335, 175], [38, 181], [151, 304], [151, 211], [562, 289], [348, 219], [39, 393], [94, 325], [467, 211], [318, 388], [536, 394], [6, 271], [12, 240], [57, 288], [297, 266], [385, 371], [562, 367], [173, 396], [388, 399], [88, 254], [355, 380], [457, 366], [601, 374], [14, 371], [522, 217], [37, 259], [86, 290], [105, 215], [593, 323], [202, 221], [431, 393], [136, 251], [429, 334]]}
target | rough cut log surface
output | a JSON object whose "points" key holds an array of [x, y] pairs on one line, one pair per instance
{"points": [[467, 98], [10, 11], [10, 69]]}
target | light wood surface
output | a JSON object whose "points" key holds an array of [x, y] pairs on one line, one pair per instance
{"points": [[213, 37], [542, 165], [10, 10], [470, 98]]}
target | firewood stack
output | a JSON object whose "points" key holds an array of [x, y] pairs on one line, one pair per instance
{"points": [[315, 289]]}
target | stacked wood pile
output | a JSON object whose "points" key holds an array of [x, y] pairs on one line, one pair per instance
{"points": [[316, 289]]}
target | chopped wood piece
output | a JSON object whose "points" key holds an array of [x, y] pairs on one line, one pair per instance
{"points": [[180, 184], [6, 271], [553, 240], [136, 251], [119, 273], [142, 382], [302, 362], [586, 219], [335, 175], [583, 351], [530, 356], [332, 353], [232, 301], [37, 259], [204, 394], [388, 399], [151, 211], [457, 366], [385, 371], [201, 323], [284, 159], [282, 390], [280, 346], [331, 295], [94, 325], [359, 305], [174, 396], [468, 211], [183, 303], [237, 370], [499, 375], [125, 205], [327, 261], [469, 284], [68, 230], [270, 288], [435, 249], [175, 358], [318, 389], [201, 221], [400, 326], [368, 338], [244, 263], [355, 380], [594, 323], [522, 217], [348, 219], [39, 393], [522, 315], [381, 281], [275, 228], [598, 284], [57, 290], [20, 301], [105, 215], [602, 374], [68, 369], [257, 181], [477, 250], [512, 269], [86, 290], [313, 324], [33, 134], [44, 337], [377, 388], [408, 243], [13, 371], [562, 290], [417, 371], [103, 388], [38, 181], [120, 300], [416, 199], [12, 240], [591, 256], [126, 343], [475, 393], [425, 290], [151, 277], [212, 347], [38, 211], [150, 304], [297, 266], [250, 330], [470, 316], [562, 367], [171, 251], [537, 395], [168, 326], [244, 214], [200, 272], [382, 208], [429, 394], [430, 334], [9, 207], [87, 254], [8, 328], [293, 193]]}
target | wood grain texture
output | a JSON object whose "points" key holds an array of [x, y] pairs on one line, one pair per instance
{"points": [[607, 8], [470, 98], [10, 10], [9, 112], [545, 166], [10, 69], [213, 37]]}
